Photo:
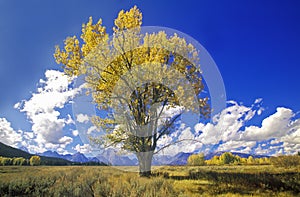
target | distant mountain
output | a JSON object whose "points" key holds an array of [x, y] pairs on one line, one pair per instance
{"points": [[8, 151], [23, 148], [161, 159], [50, 154], [180, 159], [111, 157], [93, 159], [77, 157]]}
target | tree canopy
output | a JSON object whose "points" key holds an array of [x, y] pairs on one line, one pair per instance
{"points": [[135, 77]]}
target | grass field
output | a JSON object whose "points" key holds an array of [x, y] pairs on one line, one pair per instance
{"points": [[166, 181]]}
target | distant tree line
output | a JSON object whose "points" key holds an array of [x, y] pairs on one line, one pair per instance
{"points": [[228, 158], [37, 160], [20, 161]]}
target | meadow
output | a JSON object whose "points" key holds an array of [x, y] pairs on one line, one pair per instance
{"points": [[252, 180]]}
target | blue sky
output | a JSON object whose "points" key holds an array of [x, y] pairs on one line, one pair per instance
{"points": [[254, 44]]}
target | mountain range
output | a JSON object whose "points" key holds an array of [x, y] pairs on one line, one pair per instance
{"points": [[8, 151], [77, 157], [109, 157], [112, 157]]}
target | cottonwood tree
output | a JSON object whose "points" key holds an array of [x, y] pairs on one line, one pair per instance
{"points": [[196, 160], [136, 78], [250, 160], [227, 158], [35, 160]]}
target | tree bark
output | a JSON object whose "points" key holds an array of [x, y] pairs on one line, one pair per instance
{"points": [[145, 160]]}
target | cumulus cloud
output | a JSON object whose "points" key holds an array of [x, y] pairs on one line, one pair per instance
{"points": [[222, 132], [82, 118], [237, 146], [168, 113], [65, 140], [75, 133], [280, 130], [42, 109], [225, 125], [85, 148], [8, 135], [274, 126], [91, 129], [181, 140], [230, 131]]}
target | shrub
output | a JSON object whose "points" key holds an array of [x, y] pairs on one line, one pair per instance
{"points": [[286, 161]]}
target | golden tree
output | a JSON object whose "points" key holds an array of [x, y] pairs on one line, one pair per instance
{"points": [[135, 77], [196, 160], [35, 160]]}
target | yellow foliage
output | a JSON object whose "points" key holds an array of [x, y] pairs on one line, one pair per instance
{"points": [[35, 160], [92, 35], [196, 160], [113, 67], [128, 20]]}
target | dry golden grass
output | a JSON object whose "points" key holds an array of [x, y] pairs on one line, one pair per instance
{"points": [[166, 181]]}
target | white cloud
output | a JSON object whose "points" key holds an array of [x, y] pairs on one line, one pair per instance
{"points": [[8, 135], [274, 141], [227, 131], [237, 146], [85, 148], [35, 149], [28, 135], [82, 118], [42, 109], [91, 129], [277, 133], [69, 120], [280, 128], [75, 133], [259, 112], [225, 125], [17, 105], [181, 140], [62, 151], [168, 113], [267, 150], [273, 126], [258, 100], [224, 131], [246, 150], [65, 140]]}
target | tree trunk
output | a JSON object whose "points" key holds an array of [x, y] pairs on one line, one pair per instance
{"points": [[145, 160]]}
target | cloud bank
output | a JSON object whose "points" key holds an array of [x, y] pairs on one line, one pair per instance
{"points": [[230, 130], [8, 135], [43, 111]]}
